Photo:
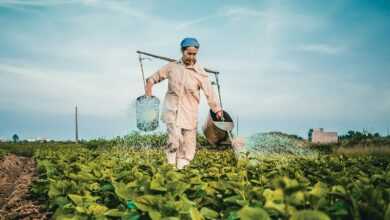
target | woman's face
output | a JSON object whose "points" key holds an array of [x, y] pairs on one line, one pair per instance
{"points": [[189, 55]]}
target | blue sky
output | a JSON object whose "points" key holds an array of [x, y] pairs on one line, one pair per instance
{"points": [[285, 65]]}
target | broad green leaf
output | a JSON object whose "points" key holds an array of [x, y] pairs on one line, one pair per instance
{"points": [[157, 183], [280, 207], [309, 215], [232, 199], [53, 192], [184, 205], [249, 213], [147, 202], [82, 176], [274, 200], [114, 213], [387, 213], [124, 192], [296, 198], [81, 210], [290, 183], [273, 195], [89, 198], [59, 214], [209, 213], [107, 187], [291, 210], [338, 189], [76, 199], [174, 176], [61, 201], [94, 187], [319, 190], [178, 188], [195, 180], [195, 214], [97, 209], [233, 216], [154, 215]]}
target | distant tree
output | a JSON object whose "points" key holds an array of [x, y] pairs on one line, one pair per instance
{"points": [[15, 138], [357, 135], [310, 134]]}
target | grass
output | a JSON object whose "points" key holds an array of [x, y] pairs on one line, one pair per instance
{"points": [[362, 150], [3, 153], [27, 149]]}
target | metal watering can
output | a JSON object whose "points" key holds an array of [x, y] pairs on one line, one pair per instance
{"points": [[147, 108], [147, 112], [218, 132]]}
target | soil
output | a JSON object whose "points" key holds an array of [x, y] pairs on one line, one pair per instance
{"points": [[16, 176]]}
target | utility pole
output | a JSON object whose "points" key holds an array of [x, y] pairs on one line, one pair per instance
{"points": [[237, 126], [76, 126]]}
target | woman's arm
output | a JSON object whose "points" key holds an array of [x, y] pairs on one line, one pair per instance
{"points": [[211, 97], [157, 77]]}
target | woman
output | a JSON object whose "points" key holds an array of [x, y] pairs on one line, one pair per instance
{"points": [[180, 110]]}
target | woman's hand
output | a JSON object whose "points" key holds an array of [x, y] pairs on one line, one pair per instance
{"points": [[148, 88], [219, 115]]}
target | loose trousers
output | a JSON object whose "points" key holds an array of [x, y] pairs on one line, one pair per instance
{"points": [[181, 146]]}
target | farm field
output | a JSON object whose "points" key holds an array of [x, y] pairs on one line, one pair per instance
{"points": [[78, 181]]}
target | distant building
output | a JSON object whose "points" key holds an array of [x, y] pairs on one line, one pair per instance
{"points": [[319, 136]]}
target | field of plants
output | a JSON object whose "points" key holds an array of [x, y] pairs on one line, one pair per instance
{"points": [[111, 180]]}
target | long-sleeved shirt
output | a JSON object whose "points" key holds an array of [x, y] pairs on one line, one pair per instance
{"points": [[181, 103]]}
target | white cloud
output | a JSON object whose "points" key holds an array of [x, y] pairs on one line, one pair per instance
{"points": [[36, 3], [234, 13], [238, 11], [54, 91], [322, 48]]}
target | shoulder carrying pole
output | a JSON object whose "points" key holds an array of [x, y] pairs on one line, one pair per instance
{"points": [[216, 73], [172, 60]]}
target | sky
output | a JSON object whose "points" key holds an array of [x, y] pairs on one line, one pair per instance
{"points": [[284, 65]]}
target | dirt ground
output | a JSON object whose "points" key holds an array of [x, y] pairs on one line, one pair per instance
{"points": [[16, 176]]}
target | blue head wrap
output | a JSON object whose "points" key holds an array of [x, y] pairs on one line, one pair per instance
{"points": [[189, 42]]}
